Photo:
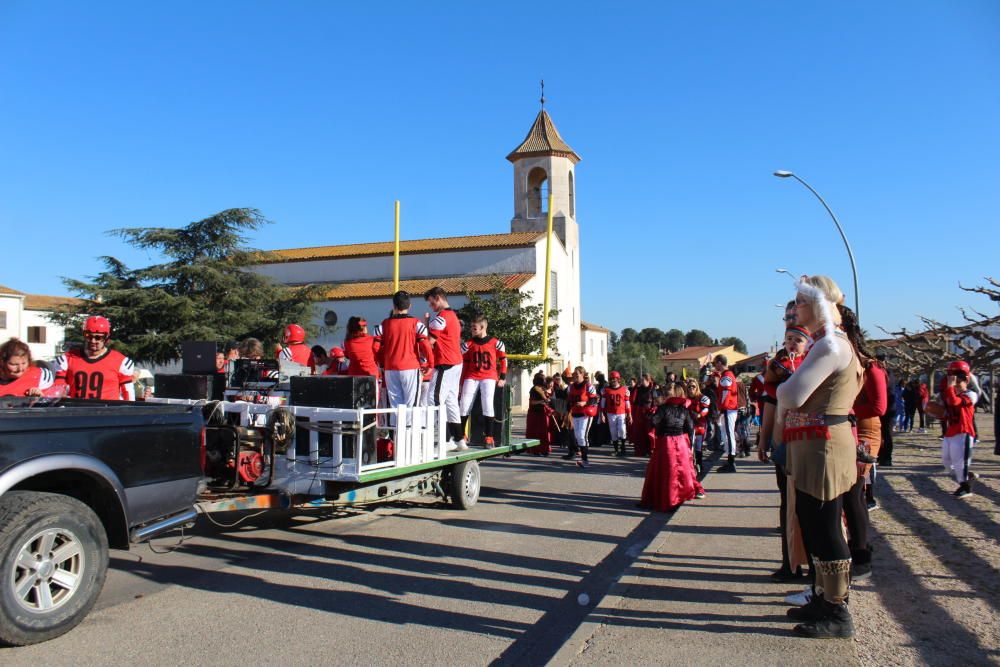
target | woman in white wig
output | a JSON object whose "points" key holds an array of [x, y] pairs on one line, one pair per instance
{"points": [[813, 409]]}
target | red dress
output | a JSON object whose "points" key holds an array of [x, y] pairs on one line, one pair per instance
{"points": [[641, 434], [670, 476], [537, 423]]}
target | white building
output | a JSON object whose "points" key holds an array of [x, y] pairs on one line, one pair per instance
{"points": [[359, 276], [25, 316]]}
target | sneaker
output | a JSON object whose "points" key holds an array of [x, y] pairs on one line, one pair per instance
{"points": [[810, 611], [963, 491], [800, 599], [699, 495], [872, 505], [973, 476], [834, 622], [460, 445], [861, 571], [582, 464], [489, 442]]}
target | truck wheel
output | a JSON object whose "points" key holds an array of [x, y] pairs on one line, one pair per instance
{"points": [[465, 484], [53, 561]]}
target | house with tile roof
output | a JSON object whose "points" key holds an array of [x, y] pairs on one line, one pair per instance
{"points": [[357, 278], [25, 316], [690, 360]]}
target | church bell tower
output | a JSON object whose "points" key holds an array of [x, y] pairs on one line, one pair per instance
{"points": [[543, 163]]}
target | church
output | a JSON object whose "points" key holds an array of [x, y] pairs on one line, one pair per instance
{"points": [[360, 276]]}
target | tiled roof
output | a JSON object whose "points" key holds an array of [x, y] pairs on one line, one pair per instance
{"points": [[9, 291], [42, 302], [452, 284], [484, 241], [543, 139], [693, 353], [593, 327]]}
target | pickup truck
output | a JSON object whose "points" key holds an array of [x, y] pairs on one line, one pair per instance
{"points": [[78, 477]]}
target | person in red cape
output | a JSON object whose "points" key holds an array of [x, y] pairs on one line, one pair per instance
{"points": [[539, 415], [670, 476]]}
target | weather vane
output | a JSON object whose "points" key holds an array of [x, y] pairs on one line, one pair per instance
{"points": [[543, 94]]}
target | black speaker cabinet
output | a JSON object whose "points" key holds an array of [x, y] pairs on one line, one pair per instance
{"points": [[335, 391], [198, 387], [477, 430]]}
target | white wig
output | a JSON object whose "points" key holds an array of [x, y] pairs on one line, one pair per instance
{"points": [[819, 300]]}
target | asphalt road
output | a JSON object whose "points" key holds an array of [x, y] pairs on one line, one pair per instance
{"points": [[505, 583]]}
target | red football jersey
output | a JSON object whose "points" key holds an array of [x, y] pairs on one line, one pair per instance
{"points": [[961, 411], [446, 331], [359, 351], [727, 392], [300, 353], [33, 377], [615, 400], [400, 342], [582, 392], [108, 377], [484, 359]]}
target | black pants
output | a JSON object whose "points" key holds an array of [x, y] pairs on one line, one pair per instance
{"points": [[885, 453], [782, 479], [821, 528], [920, 411], [856, 513]]}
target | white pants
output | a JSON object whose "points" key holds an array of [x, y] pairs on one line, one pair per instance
{"points": [[616, 424], [444, 391], [728, 419], [956, 454], [402, 387], [425, 394], [581, 424], [486, 388]]}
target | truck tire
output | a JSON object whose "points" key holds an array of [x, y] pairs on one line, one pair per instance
{"points": [[53, 561], [465, 484]]}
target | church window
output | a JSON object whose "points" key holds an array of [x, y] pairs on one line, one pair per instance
{"points": [[572, 197], [36, 334], [538, 193], [553, 291]]}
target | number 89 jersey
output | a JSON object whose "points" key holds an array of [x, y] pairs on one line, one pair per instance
{"points": [[100, 378], [484, 359]]}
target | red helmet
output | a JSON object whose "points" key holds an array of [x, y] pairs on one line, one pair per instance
{"points": [[98, 325], [294, 334], [615, 375], [336, 352], [959, 367]]}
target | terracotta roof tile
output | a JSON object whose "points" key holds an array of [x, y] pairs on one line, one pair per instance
{"points": [[593, 327], [543, 139], [514, 240], [9, 291], [42, 302], [693, 353], [451, 284]]}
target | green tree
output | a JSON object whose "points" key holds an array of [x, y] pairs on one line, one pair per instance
{"points": [[737, 343], [512, 318], [651, 336], [629, 335], [629, 358], [673, 340], [697, 337], [202, 291]]}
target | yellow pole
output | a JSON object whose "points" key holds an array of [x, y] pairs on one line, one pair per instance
{"points": [[545, 300], [395, 255]]}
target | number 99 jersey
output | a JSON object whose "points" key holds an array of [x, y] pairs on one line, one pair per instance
{"points": [[484, 359], [108, 377]]}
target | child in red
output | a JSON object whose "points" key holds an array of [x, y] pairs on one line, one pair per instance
{"points": [[960, 429]]}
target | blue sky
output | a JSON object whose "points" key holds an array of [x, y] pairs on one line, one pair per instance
{"points": [[320, 114]]}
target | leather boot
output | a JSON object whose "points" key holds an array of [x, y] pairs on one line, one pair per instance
{"points": [[835, 623], [861, 564]]}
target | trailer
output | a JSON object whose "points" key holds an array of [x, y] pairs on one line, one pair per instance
{"points": [[261, 456]]}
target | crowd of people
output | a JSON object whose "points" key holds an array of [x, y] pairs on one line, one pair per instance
{"points": [[825, 405]]}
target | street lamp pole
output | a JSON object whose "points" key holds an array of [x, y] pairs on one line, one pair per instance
{"points": [[850, 253]]}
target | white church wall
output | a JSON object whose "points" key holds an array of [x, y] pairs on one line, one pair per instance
{"points": [[419, 265], [53, 333], [10, 322], [595, 351]]}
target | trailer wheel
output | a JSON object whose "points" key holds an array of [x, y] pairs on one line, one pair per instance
{"points": [[53, 561], [465, 484]]}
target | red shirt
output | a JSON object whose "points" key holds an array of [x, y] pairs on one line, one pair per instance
{"points": [[582, 392], [699, 413], [615, 400], [32, 378], [359, 351], [101, 378], [961, 411], [484, 359], [300, 353], [400, 342], [446, 331], [872, 400], [727, 392]]}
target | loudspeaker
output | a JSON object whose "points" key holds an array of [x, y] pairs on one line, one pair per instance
{"points": [[198, 358], [198, 387], [335, 391], [477, 423]]}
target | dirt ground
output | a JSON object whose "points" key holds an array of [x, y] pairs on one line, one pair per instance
{"points": [[934, 597]]}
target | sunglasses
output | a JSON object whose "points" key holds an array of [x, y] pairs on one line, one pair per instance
{"points": [[93, 336]]}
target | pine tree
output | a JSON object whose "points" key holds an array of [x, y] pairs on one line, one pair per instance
{"points": [[202, 291]]}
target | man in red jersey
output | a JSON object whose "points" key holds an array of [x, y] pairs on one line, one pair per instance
{"points": [[446, 337], [295, 348], [728, 401], [399, 343], [617, 410], [960, 426], [484, 369], [96, 371]]}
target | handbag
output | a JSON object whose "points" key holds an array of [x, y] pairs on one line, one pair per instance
{"points": [[936, 410]]}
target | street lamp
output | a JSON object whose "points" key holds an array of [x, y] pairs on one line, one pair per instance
{"points": [[642, 358], [850, 253]]}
